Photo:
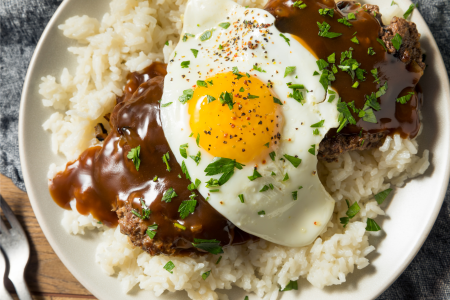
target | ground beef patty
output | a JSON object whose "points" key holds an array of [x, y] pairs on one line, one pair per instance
{"points": [[410, 52]]}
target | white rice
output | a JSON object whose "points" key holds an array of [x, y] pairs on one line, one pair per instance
{"points": [[130, 38]]}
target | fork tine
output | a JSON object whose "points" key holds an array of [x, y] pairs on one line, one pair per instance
{"points": [[3, 292], [10, 217]]}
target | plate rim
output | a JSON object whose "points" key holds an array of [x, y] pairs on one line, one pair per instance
{"points": [[90, 286]]}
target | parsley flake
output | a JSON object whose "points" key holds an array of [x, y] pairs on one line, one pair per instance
{"points": [[134, 156], [166, 158], [183, 151], [168, 195], [312, 150], [272, 155], [187, 207], [397, 41], [318, 124], [255, 175], [206, 35], [205, 275], [277, 101], [286, 39], [295, 161], [292, 285], [224, 166], [381, 196], [256, 68], [225, 25], [261, 213], [324, 31], [202, 83], [151, 230], [211, 246], [185, 64], [197, 157], [372, 225], [241, 197], [288, 71], [187, 95], [169, 266], [210, 98], [409, 11], [195, 52]]}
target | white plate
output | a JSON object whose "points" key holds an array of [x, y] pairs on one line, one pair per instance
{"points": [[411, 214]]}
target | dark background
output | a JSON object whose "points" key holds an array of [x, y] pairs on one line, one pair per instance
{"points": [[22, 23]]}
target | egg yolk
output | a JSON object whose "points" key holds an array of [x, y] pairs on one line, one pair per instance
{"points": [[235, 116]]}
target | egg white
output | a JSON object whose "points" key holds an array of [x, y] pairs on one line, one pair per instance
{"points": [[286, 221]]}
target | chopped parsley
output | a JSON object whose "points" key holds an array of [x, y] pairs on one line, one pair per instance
{"points": [[324, 31], [185, 64], [183, 151], [355, 40], [355, 85], [326, 12], [211, 246], [294, 195], [250, 96], [187, 207], [332, 58], [225, 25], [409, 11], [397, 41], [318, 124], [202, 83], [322, 64], [277, 101], [286, 177], [406, 98], [193, 185], [134, 156], [179, 226], [145, 211], [210, 98], [151, 230], [261, 213], [316, 131], [212, 183], [155, 178], [255, 175], [264, 188], [345, 22], [370, 51], [372, 225], [195, 52], [267, 144], [206, 35], [292, 285], [166, 43], [166, 158], [272, 155], [288, 71], [169, 266], [312, 150], [256, 68], [166, 104], [187, 95], [185, 170], [241, 197], [299, 4], [186, 36], [382, 43], [168, 195], [224, 166], [218, 261], [316, 73], [227, 98], [285, 38], [295, 161], [197, 140], [197, 157], [236, 72], [206, 274], [381, 196], [241, 90]]}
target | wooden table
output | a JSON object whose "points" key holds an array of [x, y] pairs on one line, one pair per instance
{"points": [[47, 277]]}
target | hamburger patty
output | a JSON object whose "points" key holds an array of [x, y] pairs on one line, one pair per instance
{"points": [[410, 52]]}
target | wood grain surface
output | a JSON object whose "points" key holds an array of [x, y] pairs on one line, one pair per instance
{"points": [[46, 276]]}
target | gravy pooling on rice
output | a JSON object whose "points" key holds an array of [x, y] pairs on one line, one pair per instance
{"points": [[106, 183]]}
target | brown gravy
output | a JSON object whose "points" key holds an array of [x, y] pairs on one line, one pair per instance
{"points": [[392, 117], [103, 178]]}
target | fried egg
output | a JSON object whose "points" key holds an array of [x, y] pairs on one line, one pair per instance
{"points": [[244, 115]]}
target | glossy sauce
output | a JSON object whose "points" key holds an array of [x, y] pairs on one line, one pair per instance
{"points": [[392, 117], [103, 178]]}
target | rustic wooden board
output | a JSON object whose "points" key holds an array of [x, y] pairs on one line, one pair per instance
{"points": [[47, 277]]}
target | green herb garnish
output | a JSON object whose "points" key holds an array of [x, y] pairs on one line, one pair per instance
{"points": [[255, 175], [187, 95], [286, 39], [134, 156], [295, 161], [206, 35], [224, 166], [206, 274], [185, 64], [168, 195], [169, 266], [292, 285], [312, 150], [183, 151], [187, 207], [151, 230], [241, 197], [318, 124], [288, 71], [397, 41], [372, 225], [195, 52], [381, 196], [211, 246], [225, 25]]}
